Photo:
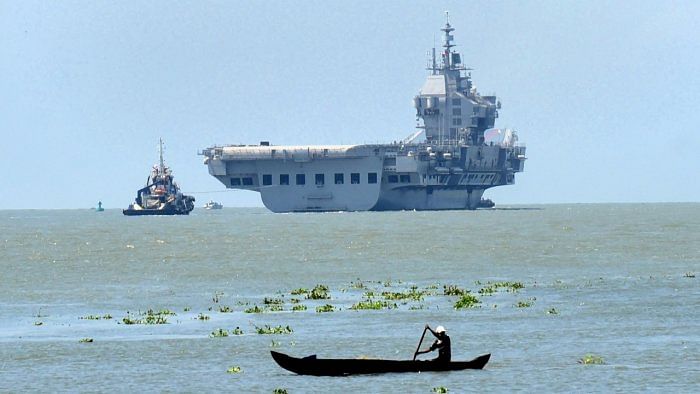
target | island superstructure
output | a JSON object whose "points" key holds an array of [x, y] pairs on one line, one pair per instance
{"points": [[460, 154]]}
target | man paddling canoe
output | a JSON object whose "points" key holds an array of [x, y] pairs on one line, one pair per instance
{"points": [[442, 343]]}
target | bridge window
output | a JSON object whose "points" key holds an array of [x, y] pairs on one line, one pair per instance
{"points": [[456, 121], [456, 101], [235, 181], [247, 181], [393, 179], [301, 179], [457, 111], [320, 180], [284, 179], [372, 177], [405, 178], [339, 179], [355, 178], [267, 179]]}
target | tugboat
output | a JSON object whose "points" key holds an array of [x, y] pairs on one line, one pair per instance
{"points": [[213, 205], [486, 203], [161, 195]]}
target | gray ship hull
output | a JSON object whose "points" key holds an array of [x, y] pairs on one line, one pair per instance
{"points": [[428, 198]]}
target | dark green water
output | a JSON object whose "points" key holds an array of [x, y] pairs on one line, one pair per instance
{"points": [[619, 277]]}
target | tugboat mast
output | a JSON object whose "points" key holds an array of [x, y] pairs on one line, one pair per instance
{"points": [[161, 169]]}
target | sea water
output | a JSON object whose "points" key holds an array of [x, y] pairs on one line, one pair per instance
{"points": [[613, 280]]}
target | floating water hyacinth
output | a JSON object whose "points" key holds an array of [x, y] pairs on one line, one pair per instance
{"points": [[440, 389], [268, 330], [591, 359], [254, 309], [148, 317], [219, 333], [234, 369], [372, 305], [325, 308], [85, 340], [526, 303], [96, 317], [320, 292], [452, 290], [299, 307], [467, 301]]}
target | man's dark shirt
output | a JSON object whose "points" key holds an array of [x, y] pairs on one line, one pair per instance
{"points": [[445, 353]]}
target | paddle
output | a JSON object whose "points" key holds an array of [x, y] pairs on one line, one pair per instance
{"points": [[420, 343]]}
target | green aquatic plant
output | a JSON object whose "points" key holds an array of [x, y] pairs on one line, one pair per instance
{"points": [[320, 292], [268, 330], [218, 333], [357, 285], [299, 307], [416, 307], [162, 312], [202, 316], [325, 308], [86, 340], [413, 294], [294, 300], [493, 287], [453, 290], [552, 311], [275, 308], [526, 303], [467, 301], [148, 317], [273, 301], [237, 331], [279, 391], [689, 275], [368, 294], [372, 305], [187, 309], [591, 359], [440, 389], [488, 290], [234, 369], [96, 317], [274, 343], [254, 309], [299, 291], [225, 309]]}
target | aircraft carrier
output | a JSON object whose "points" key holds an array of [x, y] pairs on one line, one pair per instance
{"points": [[447, 163]]}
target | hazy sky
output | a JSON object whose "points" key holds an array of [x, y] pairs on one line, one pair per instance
{"points": [[606, 95]]}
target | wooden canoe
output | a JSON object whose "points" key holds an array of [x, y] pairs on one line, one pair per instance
{"points": [[312, 365]]}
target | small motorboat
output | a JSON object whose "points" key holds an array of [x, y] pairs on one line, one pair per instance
{"points": [[486, 203], [213, 205], [312, 365]]}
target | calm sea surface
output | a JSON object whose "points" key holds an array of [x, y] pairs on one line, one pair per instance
{"points": [[616, 281]]}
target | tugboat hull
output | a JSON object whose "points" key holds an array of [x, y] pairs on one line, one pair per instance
{"points": [[153, 212]]}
